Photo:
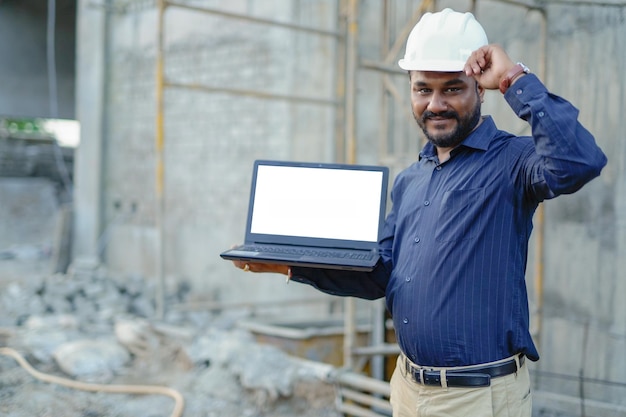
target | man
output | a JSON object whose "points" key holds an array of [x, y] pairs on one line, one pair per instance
{"points": [[455, 243]]}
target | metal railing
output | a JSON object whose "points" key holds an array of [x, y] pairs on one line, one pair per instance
{"points": [[361, 396]]}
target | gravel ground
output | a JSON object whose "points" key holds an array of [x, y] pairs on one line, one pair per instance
{"points": [[96, 329]]}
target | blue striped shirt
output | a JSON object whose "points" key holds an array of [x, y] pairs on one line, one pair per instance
{"points": [[455, 243]]}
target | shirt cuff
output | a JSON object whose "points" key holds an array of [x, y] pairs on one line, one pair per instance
{"points": [[525, 89]]}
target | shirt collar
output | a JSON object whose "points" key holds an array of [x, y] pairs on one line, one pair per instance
{"points": [[478, 139]]}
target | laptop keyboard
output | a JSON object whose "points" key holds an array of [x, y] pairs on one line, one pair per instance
{"points": [[320, 253]]}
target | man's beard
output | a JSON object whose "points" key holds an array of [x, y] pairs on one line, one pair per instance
{"points": [[463, 128]]}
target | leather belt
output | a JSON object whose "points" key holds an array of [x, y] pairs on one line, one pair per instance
{"points": [[472, 376]]}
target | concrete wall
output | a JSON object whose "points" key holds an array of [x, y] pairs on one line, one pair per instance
{"points": [[212, 139], [25, 89]]}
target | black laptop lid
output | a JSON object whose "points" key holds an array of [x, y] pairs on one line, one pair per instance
{"points": [[316, 204]]}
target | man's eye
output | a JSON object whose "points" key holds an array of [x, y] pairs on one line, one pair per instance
{"points": [[453, 89]]}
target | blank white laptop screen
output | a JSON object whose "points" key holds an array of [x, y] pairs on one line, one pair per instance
{"points": [[318, 203]]}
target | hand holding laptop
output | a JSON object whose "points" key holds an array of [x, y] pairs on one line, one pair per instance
{"points": [[261, 267]]}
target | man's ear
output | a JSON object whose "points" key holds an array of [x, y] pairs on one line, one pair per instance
{"points": [[480, 90]]}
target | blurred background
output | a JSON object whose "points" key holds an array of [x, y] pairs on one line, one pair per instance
{"points": [[128, 129]]}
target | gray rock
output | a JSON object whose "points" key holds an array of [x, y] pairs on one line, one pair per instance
{"points": [[41, 343], [91, 360], [266, 370]]}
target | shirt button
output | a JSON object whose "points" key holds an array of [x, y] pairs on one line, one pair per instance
{"points": [[405, 320], [541, 114], [519, 91], [407, 279], [438, 168], [417, 240]]}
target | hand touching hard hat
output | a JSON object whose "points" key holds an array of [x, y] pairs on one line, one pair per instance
{"points": [[490, 65], [450, 41]]}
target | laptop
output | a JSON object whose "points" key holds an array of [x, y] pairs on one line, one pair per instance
{"points": [[314, 215]]}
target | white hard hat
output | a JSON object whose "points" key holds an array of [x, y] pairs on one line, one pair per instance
{"points": [[442, 42]]}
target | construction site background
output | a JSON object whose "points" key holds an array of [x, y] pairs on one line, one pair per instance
{"points": [[176, 100]]}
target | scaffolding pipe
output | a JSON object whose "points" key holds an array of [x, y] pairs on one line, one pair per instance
{"points": [[352, 385], [350, 137], [160, 171], [383, 145], [356, 411], [382, 67], [363, 383], [340, 85], [351, 80], [253, 93], [365, 399], [540, 214]]}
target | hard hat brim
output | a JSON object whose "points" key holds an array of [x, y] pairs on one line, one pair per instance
{"points": [[432, 65]]}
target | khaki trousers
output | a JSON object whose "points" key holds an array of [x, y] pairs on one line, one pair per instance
{"points": [[507, 396]]}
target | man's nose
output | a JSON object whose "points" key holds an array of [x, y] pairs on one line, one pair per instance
{"points": [[437, 103]]}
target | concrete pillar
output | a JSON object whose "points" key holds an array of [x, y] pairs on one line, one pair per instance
{"points": [[90, 95]]}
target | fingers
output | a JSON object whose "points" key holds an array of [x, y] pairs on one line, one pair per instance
{"points": [[244, 266], [478, 62], [487, 65], [239, 264], [261, 267]]}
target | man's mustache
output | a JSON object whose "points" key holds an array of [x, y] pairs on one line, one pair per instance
{"points": [[444, 114]]}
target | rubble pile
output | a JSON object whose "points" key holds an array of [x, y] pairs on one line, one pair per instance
{"points": [[97, 329], [94, 298]]}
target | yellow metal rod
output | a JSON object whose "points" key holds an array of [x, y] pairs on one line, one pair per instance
{"points": [[160, 168], [252, 93], [540, 214], [350, 137]]}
